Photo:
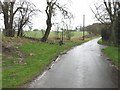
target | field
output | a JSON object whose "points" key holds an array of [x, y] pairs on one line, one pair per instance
{"points": [[38, 34]]}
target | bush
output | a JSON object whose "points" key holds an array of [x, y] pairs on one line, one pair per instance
{"points": [[105, 33], [35, 30]]}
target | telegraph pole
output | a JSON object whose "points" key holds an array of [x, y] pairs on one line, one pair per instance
{"points": [[83, 27]]}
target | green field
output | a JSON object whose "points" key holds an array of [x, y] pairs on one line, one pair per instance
{"points": [[38, 34]]}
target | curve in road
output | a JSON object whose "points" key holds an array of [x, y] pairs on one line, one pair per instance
{"points": [[84, 66]]}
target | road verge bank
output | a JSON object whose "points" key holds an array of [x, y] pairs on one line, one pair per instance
{"points": [[112, 53]]}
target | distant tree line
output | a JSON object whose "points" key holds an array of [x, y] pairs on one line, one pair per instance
{"points": [[95, 28]]}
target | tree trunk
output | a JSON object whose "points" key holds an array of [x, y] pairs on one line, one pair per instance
{"points": [[20, 31], [11, 31], [49, 25], [113, 33], [5, 13], [118, 28], [8, 19]]}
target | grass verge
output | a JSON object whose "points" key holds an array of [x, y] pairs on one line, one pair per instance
{"points": [[103, 42], [23, 59], [0, 70], [112, 52]]}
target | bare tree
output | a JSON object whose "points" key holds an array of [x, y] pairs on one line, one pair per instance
{"points": [[9, 13], [25, 15], [52, 6], [101, 14], [112, 8], [107, 13]]}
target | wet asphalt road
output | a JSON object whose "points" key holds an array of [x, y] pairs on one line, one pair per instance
{"points": [[82, 67]]}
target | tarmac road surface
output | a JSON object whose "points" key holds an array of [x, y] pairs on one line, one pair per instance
{"points": [[84, 66]]}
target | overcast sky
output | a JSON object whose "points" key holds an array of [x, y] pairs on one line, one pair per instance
{"points": [[76, 7]]}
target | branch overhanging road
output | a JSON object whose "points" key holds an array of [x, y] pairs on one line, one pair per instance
{"points": [[84, 66]]}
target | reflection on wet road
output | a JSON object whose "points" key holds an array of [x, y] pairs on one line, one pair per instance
{"points": [[82, 67]]}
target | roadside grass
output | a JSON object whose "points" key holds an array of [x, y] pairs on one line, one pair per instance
{"points": [[112, 52], [100, 42], [28, 59], [0, 70], [103, 42], [0, 60]]}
